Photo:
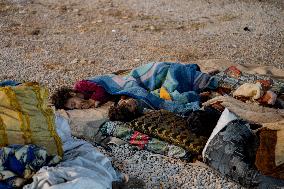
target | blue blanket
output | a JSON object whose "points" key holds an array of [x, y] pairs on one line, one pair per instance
{"points": [[8, 83], [18, 163], [182, 81]]}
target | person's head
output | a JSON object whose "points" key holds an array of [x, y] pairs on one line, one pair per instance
{"points": [[68, 99], [126, 110]]}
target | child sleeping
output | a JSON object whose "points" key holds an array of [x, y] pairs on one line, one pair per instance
{"points": [[87, 95]]}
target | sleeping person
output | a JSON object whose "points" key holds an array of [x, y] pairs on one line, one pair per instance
{"points": [[88, 94], [85, 95]]}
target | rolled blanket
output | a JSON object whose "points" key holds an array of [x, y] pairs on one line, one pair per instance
{"points": [[248, 111]]}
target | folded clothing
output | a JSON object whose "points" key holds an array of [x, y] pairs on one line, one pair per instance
{"points": [[18, 163]]}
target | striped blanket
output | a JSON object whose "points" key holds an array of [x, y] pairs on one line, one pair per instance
{"points": [[162, 85]]}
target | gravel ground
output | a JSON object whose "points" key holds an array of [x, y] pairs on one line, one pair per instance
{"points": [[57, 42], [159, 172]]}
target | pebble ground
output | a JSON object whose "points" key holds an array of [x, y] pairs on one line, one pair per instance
{"points": [[57, 42]]}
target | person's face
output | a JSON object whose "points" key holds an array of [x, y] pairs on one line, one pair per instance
{"points": [[78, 103], [130, 104]]}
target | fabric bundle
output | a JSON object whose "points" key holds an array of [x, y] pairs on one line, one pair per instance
{"points": [[18, 163], [232, 78], [82, 166], [231, 151], [26, 118], [270, 154], [171, 128], [93, 125], [248, 111], [142, 141], [180, 82], [249, 90]]}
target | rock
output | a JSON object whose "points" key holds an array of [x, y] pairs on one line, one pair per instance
{"points": [[35, 32], [180, 27], [247, 29], [152, 28], [74, 61]]}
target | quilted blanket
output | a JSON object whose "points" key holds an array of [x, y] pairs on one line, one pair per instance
{"points": [[150, 82]]}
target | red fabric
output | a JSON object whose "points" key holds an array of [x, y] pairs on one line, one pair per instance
{"points": [[139, 139], [266, 84], [92, 91], [233, 71]]}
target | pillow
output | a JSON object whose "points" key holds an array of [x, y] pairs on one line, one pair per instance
{"points": [[26, 118], [85, 123], [270, 154]]}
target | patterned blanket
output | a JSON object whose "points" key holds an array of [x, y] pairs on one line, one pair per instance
{"points": [[142, 141], [18, 163], [162, 85], [232, 78], [92, 125], [171, 128]]}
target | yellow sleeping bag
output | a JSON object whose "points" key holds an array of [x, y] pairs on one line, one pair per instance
{"points": [[26, 118]]}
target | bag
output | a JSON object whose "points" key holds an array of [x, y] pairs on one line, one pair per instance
{"points": [[231, 151], [270, 154], [26, 118]]}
